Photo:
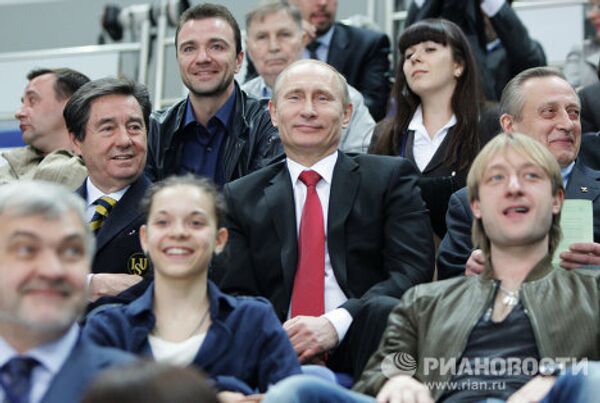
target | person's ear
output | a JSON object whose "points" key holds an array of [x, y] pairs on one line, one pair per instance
{"points": [[221, 240], [238, 61], [347, 115], [144, 238], [75, 144], [273, 112], [507, 123], [557, 201], [475, 208]]}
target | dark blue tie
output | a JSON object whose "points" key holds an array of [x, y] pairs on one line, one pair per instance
{"points": [[15, 377], [312, 49]]}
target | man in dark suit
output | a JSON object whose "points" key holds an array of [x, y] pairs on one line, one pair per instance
{"points": [[45, 253], [589, 97], [332, 256], [538, 102], [107, 121], [361, 55]]}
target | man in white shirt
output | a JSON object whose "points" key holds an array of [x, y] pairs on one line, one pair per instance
{"points": [[45, 254], [321, 234], [107, 121]]}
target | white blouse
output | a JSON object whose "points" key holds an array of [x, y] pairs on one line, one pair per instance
{"points": [[424, 147]]}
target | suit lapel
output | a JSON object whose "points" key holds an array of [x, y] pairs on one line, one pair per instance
{"points": [[583, 183], [81, 366], [440, 154], [82, 191], [280, 200], [124, 213], [337, 54], [408, 146], [344, 188]]}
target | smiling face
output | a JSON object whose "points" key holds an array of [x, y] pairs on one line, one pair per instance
{"points": [[274, 42], [40, 115], [181, 233], [550, 114], [430, 69], [43, 266], [115, 143], [515, 201], [207, 57], [309, 111]]}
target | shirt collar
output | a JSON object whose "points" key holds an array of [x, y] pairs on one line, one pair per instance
{"points": [[416, 123], [566, 173], [219, 302], [265, 91], [324, 168], [51, 355], [325, 39], [93, 193], [222, 115]]}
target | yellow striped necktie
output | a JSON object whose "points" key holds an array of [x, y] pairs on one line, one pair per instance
{"points": [[103, 207]]}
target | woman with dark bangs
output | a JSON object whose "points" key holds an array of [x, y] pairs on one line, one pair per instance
{"points": [[439, 120]]}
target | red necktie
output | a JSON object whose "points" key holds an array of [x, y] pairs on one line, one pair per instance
{"points": [[309, 283]]}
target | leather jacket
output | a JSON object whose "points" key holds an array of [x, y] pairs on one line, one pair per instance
{"points": [[251, 140], [435, 320]]}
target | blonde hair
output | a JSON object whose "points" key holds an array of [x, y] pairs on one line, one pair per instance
{"points": [[536, 153]]}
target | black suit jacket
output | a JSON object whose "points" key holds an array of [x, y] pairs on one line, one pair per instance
{"points": [[378, 232], [589, 97], [361, 55], [118, 248], [456, 246], [590, 150], [84, 363]]}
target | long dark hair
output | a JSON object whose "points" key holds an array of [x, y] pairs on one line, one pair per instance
{"points": [[465, 103]]}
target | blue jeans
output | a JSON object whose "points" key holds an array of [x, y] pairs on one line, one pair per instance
{"points": [[569, 388], [578, 388], [308, 388]]}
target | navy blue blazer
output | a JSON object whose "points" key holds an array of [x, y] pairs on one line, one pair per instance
{"points": [[245, 349], [456, 246], [84, 363], [118, 248]]}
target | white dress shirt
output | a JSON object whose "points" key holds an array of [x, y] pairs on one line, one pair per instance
{"points": [[93, 194], [340, 318], [51, 357], [424, 147]]}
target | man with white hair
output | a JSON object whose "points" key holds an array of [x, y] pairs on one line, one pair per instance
{"points": [[46, 249]]}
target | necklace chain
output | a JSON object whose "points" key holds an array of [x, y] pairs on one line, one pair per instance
{"points": [[511, 298], [194, 330], [199, 326]]}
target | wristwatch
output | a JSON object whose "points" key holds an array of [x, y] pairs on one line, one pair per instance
{"points": [[551, 368]]}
